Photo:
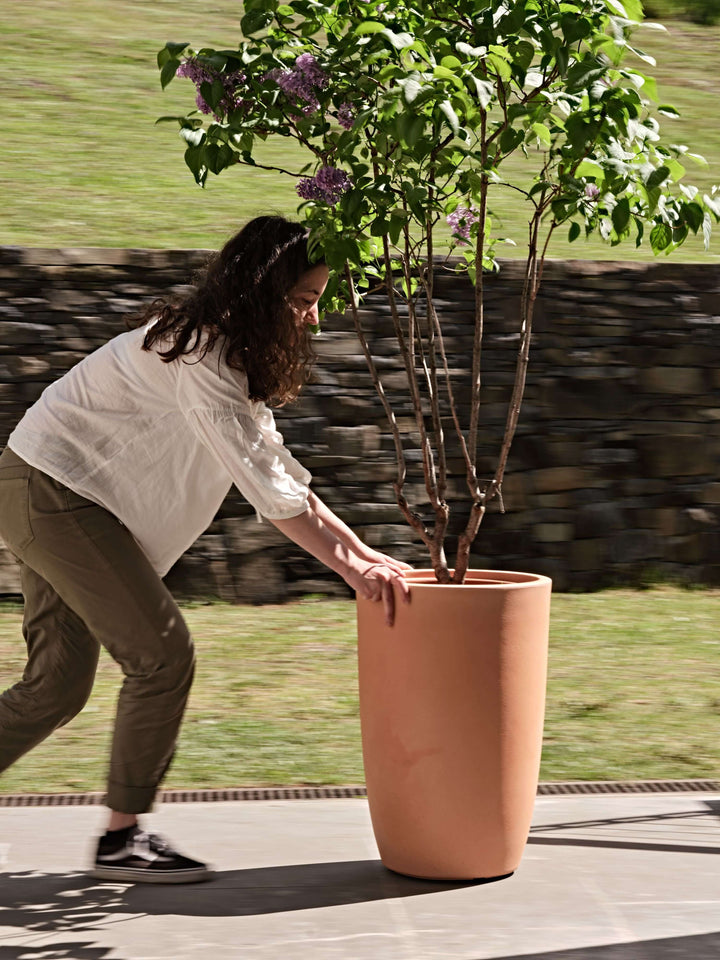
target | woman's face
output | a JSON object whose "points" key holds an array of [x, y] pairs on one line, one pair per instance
{"points": [[307, 291]]}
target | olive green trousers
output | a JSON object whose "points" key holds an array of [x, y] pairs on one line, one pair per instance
{"points": [[86, 582]]}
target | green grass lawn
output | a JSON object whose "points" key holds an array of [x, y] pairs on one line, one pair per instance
{"points": [[632, 694], [82, 163]]}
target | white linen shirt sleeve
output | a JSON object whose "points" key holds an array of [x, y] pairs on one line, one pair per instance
{"points": [[252, 451], [242, 436]]}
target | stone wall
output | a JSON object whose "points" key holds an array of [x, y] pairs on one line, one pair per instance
{"points": [[614, 474]]}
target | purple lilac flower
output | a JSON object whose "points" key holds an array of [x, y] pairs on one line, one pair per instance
{"points": [[592, 191], [199, 74], [327, 186], [303, 81], [346, 116], [460, 221], [194, 71]]}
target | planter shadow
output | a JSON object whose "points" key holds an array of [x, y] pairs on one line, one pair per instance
{"points": [[76, 902]]}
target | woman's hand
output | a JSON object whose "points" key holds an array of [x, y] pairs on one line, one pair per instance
{"points": [[378, 581], [371, 574], [374, 556]]}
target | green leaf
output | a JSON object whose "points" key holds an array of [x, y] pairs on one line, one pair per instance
{"points": [[474, 52], [284, 10], [660, 236], [653, 198], [510, 139], [639, 223], [368, 27], [193, 136], [450, 116], [582, 73], [483, 89], [411, 88], [668, 111], [634, 10], [399, 40], [500, 66], [183, 121], [168, 72], [194, 160], [573, 232], [650, 88], [255, 20], [679, 233], [589, 168], [212, 93], [693, 214], [657, 177], [646, 57], [707, 230], [171, 51], [219, 156], [175, 49], [621, 216], [712, 203], [445, 73], [523, 54], [677, 170], [542, 133], [411, 127], [396, 226]]}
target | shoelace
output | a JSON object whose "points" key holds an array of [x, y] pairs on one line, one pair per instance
{"points": [[152, 841]]}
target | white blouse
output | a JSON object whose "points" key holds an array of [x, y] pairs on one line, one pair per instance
{"points": [[159, 444]]}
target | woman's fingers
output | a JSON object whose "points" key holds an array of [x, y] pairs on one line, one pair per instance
{"points": [[389, 602], [384, 580], [395, 564]]}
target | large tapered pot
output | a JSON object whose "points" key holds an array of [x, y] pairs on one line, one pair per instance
{"points": [[452, 701]]}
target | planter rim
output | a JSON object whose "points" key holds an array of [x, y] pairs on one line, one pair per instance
{"points": [[478, 579]]}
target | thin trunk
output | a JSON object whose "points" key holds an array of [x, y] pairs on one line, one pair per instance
{"points": [[477, 510], [413, 519], [437, 550], [479, 312], [533, 275], [442, 510]]}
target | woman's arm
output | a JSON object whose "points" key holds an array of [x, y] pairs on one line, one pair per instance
{"points": [[327, 538], [343, 532]]}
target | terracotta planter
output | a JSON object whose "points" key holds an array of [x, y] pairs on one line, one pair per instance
{"points": [[452, 701]]}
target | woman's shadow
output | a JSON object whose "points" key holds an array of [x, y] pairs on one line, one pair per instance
{"points": [[75, 902]]}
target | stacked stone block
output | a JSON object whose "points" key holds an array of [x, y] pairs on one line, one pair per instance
{"points": [[613, 477]]}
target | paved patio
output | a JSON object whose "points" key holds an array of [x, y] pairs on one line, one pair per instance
{"points": [[603, 878]]}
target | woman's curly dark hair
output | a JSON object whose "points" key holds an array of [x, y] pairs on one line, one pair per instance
{"points": [[242, 296]]}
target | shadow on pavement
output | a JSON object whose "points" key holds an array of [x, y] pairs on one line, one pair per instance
{"points": [[73, 902], [624, 845], [59, 951], [676, 820], [700, 947]]}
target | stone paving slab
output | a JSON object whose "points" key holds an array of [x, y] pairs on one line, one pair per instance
{"points": [[603, 878]]}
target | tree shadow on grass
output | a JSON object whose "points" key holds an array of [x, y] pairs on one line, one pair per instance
{"points": [[74, 902]]}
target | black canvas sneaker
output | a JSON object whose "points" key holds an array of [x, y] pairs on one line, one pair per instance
{"points": [[134, 856]]}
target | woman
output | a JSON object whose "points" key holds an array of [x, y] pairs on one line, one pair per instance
{"points": [[117, 469]]}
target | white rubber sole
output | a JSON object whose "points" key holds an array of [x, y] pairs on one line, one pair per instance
{"points": [[141, 875]]}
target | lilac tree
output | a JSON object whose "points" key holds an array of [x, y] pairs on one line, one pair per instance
{"points": [[408, 113]]}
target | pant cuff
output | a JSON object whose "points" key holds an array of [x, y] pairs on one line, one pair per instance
{"points": [[126, 799]]}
